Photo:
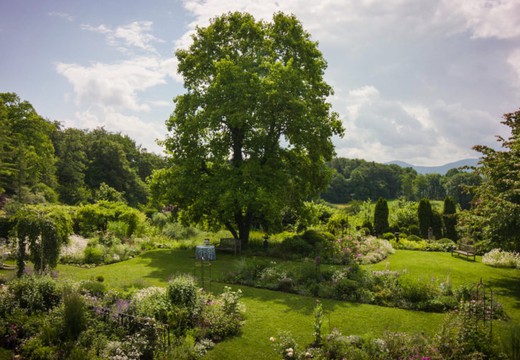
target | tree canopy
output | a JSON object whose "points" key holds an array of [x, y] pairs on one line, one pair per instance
{"points": [[495, 215], [253, 130], [40, 162]]}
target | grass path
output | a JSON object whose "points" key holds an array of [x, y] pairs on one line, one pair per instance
{"points": [[270, 311]]}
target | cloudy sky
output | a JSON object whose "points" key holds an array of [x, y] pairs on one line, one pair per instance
{"points": [[420, 81]]}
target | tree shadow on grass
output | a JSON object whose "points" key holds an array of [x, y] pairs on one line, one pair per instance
{"points": [[161, 265], [507, 287]]}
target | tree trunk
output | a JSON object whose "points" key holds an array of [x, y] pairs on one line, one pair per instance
{"points": [[243, 223]]}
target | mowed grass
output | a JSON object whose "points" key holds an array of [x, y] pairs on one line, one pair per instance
{"points": [[268, 312]]}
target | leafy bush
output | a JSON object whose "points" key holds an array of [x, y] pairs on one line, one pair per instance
{"points": [[295, 246], [500, 258], [92, 218], [222, 316], [178, 231], [36, 293], [412, 237], [74, 316], [151, 302], [338, 223], [182, 291], [93, 288], [388, 236], [94, 254]]}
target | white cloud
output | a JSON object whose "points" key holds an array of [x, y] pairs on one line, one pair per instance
{"points": [[485, 18], [133, 35], [514, 61], [143, 132], [381, 129], [114, 85], [62, 15]]}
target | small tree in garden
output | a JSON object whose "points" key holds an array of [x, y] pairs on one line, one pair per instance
{"points": [[424, 213], [381, 217], [449, 217], [43, 229]]}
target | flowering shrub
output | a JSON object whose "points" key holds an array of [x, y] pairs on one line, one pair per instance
{"points": [[423, 245], [150, 302], [500, 258], [222, 315], [39, 320], [363, 250]]}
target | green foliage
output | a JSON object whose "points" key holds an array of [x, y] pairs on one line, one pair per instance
{"points": [[96, 217], [26, 150], [94, 254], [182, 294], [461, 185], [36, 293], [107, 193], [44, 229], [74, 316], [424, 214], [222, 316], [381, 217], [338, 223], [402, 214], [151, 302], [176, 230], [93, 288], [449, 215], [254, 124], [495, 216]]}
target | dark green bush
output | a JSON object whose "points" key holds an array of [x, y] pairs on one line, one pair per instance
{"points": [[346, 289], [413, 238], [414, 230], [295, 246], [388, 236]]}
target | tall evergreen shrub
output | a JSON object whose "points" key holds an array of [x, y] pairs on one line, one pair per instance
{"points": [[381, 217], [424, 214], [449, 216]]}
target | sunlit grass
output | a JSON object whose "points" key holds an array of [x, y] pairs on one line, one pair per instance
{"points": [[269, 312]]}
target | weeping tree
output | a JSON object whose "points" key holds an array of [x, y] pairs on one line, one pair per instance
{"points": [[42, 230], [251, 135]]}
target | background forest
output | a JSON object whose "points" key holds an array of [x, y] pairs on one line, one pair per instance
{"points": [[40, 161]]}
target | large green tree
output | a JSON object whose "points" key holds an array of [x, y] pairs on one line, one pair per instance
{"points": [[253, 130], [495, 215], [27, 161]]}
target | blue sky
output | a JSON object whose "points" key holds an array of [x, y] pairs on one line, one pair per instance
{"points": [[415, 80]]}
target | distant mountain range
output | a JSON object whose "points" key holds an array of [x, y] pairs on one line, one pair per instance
{"points": [[437, 169]]}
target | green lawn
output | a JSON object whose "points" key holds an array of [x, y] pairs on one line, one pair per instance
{"points": [[270, 311]]}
